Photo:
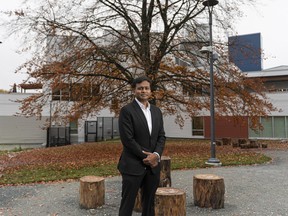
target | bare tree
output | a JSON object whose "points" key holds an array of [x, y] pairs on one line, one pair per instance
{"points": [[88, 52]]}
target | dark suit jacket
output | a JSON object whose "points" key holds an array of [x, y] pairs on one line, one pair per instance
{"points": [[135, 138]]}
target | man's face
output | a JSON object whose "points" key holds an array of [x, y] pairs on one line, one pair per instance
{"points": [[142, 91]]}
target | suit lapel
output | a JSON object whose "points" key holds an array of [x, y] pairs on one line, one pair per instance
{"points": [[154, 118], [141, 116]]}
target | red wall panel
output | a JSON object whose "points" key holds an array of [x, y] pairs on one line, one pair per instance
{"points": [[227, 126]]}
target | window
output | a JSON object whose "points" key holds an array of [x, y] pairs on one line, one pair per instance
{"points": [[273, 127], [286, 126], [61, 92], [267, 125], [75, 91], [74, 127], [197, 126], [192, 90], [56, 94], [279, 127]]}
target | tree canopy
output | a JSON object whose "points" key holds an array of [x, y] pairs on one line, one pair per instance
{"points": [[86, 54]]}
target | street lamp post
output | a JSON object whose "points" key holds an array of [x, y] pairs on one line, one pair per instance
{"points": [[212, 160]]}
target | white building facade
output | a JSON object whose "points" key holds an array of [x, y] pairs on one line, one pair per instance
{"points": [[18, 131], [26, 132], [275, 126]]}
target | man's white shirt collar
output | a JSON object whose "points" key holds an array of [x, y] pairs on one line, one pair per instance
{"points": [[142, 105]]}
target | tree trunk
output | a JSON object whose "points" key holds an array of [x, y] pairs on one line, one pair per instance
{"points": [[92, 192], [170, 202], [165, 181], [208, 191]]}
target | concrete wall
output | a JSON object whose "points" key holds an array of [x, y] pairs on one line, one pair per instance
{"points": [[17, 131], [173, 130], [21, 131], [280, 100]]}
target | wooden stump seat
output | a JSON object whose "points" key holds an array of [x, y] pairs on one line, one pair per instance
{"points": [[165, 173], [138, 202], [208, 191], [165, 181], [170, 202], [92, 192], [227, 141]]}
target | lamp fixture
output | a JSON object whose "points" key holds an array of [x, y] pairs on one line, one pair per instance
{"points": [[210, 3]]}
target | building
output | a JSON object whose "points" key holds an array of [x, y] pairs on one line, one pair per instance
{"points": [[18, 131], [275, 126], [246, 51]]}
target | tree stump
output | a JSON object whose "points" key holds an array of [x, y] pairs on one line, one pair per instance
{"points": [[170, 202], [165, 181], [219, 143], [165, 173], [235, 143], [138, 202], [254, 144], [208, 191], [242, 141], [244, 146], [92, 192], [227, 141], [264, 145]]}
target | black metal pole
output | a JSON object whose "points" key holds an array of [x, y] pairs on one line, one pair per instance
{"points": [[212, 160]]}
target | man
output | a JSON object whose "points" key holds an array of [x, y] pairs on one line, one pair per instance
{"points": [[143, 138]]}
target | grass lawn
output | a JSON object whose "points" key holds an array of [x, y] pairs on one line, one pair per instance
{"points": [[75, 161]]}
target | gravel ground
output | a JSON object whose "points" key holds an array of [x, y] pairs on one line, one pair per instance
{"points": [[250, 190]]}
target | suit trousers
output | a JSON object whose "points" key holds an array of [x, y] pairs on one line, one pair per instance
{"points": [[149, 182]]}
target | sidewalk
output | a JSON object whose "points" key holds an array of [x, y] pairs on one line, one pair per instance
{"points": [[250, 190]]}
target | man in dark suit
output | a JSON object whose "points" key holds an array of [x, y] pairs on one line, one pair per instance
{"points": [[143, 138]]}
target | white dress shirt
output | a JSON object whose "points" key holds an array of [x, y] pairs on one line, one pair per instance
{"points": [[147, 114]]}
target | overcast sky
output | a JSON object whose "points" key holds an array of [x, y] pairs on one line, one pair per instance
{"points": [[269, 18]]}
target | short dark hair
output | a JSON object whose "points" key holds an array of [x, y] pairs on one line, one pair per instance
{"points": [[139, 80]]}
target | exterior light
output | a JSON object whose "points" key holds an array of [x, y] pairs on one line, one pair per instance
{"points": [[212, 160]]}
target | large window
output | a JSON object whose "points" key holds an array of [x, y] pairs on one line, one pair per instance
{"points": [[279, 127], [197, 126], [267, 127], [273, 127]]}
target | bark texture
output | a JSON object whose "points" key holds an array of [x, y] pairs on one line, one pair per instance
{"points": [[92, 192]]}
